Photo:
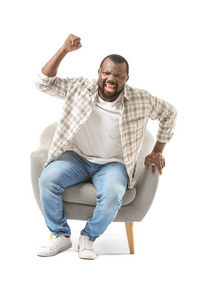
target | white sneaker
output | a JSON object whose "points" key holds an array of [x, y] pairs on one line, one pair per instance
{"points": [[55, 245], [85, 248]]}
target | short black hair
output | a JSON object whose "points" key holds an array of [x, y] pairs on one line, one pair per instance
{"points": [[118, 59]]}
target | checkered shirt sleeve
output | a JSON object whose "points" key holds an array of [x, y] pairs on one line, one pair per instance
{"points": [[54, 86], [166, 114]]}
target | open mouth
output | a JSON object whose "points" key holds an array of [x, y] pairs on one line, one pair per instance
{"points": [[110, 88]]}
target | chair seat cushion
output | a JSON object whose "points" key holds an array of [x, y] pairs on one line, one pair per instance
{"points": [[85, 193]]}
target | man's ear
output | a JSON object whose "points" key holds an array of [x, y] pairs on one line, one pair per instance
{"points": [[127, 78]]}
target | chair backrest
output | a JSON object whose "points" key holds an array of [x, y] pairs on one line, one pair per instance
{"points": [[146, 148], [47, 136]]}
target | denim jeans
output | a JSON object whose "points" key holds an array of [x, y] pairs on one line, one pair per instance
{"points": [[70, 168]]}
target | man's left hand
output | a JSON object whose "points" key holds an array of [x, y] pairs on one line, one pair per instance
{"points": [[156, 158]]}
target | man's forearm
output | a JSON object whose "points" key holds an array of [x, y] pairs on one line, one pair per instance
{"points": [[51, 67]]}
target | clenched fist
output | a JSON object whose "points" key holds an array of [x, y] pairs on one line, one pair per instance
{"points": [[72, 43]]}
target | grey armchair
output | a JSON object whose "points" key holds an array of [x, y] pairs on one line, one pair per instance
{"points": [[79, 200]]}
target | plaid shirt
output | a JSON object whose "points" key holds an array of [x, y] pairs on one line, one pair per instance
{"points": [[81, 96]]}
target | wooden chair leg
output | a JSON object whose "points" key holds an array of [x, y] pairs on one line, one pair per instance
{"points": [[130, 236]]}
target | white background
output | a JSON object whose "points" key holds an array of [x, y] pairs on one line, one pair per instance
{"points": [[160, 39]]}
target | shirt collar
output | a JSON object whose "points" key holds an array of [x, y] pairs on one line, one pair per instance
{"points": [[127, 95], [92, 86]]}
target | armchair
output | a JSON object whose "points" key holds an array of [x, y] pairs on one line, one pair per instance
{"points": [[79, 200]]}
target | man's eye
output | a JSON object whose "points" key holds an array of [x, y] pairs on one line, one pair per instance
{"points": [[119, 76]]}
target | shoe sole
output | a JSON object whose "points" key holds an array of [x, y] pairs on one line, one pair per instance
{"points": [[85, 257], [54, 253]]}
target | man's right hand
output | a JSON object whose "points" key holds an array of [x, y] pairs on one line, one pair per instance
{"points": [[72, 43]]}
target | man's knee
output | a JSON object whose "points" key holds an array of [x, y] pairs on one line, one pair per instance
{"points": [[111, 199], [48, 181]]}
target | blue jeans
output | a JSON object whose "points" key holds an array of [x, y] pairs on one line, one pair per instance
{"points": [[70, 168]]}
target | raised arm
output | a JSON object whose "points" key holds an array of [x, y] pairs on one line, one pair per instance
{"points": [[72, 43], [47, 81]]}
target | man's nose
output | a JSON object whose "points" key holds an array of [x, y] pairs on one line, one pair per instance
{"points": [[111, 78]]}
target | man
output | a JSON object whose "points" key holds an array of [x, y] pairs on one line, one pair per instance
{"points": [[98, 136]]}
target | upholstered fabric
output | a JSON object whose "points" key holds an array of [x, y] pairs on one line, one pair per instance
{"points": [[79, 200]]}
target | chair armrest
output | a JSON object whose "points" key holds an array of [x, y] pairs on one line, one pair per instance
{"points": [[146, 187], [37, 161]]}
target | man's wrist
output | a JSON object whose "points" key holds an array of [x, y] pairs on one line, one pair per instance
{"points": [[63, 50], [159, 147]]}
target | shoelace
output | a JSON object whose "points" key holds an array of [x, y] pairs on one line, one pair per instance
{"points": [[53, 241], [88, 244]]}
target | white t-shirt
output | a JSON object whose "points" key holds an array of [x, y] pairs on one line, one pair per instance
{"points": [[99, 139]]}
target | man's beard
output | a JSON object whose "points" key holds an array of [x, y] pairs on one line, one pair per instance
{"points": [[112, 97]]}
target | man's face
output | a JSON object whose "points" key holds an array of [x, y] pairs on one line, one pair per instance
{"points": [[112, 78]]}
